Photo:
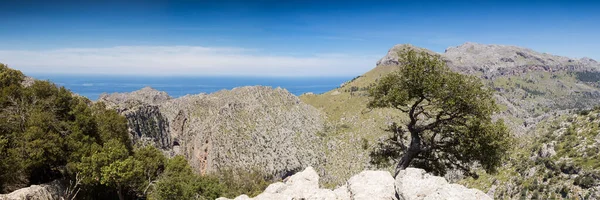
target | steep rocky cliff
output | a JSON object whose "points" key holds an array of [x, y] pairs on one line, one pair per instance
{"points": [[248, 127]]}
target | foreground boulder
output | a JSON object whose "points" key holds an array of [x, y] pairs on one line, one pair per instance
{"points": [[411, 184], [49, 191]]}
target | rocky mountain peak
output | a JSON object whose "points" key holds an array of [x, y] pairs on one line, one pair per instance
{"points": [[391, 58], [490, 60], [244, 127], [145, 95]]}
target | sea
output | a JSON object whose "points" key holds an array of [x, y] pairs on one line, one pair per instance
{"points": [[92, 86]]}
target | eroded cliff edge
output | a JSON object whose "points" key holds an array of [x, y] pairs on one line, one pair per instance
{"points": [[252, 127]]}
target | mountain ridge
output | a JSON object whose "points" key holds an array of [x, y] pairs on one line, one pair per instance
{"points": [[541, 91]]}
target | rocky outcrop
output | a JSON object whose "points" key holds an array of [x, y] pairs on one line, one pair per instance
{"points": [[415, 184], [497, 60], [247, 127], [51, 191], [147, 125], [411, 184]]}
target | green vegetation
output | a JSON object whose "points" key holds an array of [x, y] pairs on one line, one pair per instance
{"points": [[571, 171], [46, 133], [239, 181], [450, 124]]}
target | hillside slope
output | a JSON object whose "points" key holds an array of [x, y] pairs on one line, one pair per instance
{"points": [[559, 159], [260, 128], [530, 87]]}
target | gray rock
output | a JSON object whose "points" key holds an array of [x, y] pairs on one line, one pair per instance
{"points": [[495, 60], [302, 185], [248, 127], [368, 185], [547, 150], [413, 184], [50, 191], [372, 185]]}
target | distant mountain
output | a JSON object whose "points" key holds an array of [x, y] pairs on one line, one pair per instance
{"points": [[279, 133], [260, 128], [530, 87]]}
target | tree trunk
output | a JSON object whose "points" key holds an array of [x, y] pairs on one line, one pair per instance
{"points": [[120, 193], [412, 152]]}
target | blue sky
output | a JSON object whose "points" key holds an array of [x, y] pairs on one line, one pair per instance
{"points": [[274, 38]]}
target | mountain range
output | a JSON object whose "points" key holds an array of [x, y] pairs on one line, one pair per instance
{"points": [[547, 101]]}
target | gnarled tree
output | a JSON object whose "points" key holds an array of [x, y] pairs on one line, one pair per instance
{"points": [[449, 125]]}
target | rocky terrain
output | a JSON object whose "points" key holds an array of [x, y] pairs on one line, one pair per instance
{"points": [[530, 89], [249, 127], [49, 191], [558, 160], [410, 184], [530, 85], [335, 132]]}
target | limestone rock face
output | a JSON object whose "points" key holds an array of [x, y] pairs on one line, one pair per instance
{"points": [[368, 185], [494, 60], [247, 127], [375, 185], [415, 184], [50, 191], [147, 125]]}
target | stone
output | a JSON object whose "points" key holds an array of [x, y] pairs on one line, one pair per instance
{"points": [[416, 184], [277, 131], [368, 185], [50, 191], [547, 150], [372, 185]]}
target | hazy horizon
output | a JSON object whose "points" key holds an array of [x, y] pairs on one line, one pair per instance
{"points": [[272, 38]]}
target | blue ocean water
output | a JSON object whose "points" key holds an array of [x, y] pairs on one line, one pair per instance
{"points": [[91, 86]]}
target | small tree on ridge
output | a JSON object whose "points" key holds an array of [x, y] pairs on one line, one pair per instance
{"points": [[450, 124]]}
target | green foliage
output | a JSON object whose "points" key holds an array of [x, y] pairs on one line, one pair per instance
{"points": [[588, 76], [241, 181], [585, 181], [450, 117], [179, 182], [46, 134]]}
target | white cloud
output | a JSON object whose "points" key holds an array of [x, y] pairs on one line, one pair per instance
{"points": [[183, 60]]}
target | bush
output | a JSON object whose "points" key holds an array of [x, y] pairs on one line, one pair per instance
{"points": [[240, 181], [585, 181], [180, 182]]}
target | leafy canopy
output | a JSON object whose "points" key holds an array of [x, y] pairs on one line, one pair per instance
{"points": [[450, 124], [46, 133]]}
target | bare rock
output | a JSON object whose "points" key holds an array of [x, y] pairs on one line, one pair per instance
{"points": [[416, 184], [50, 191], [247, 127], [369, 185], [547, 150], [372, 185], [495, 60]]}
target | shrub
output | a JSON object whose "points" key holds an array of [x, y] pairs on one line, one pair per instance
{"points": [[585, 181], [241, 181]]}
